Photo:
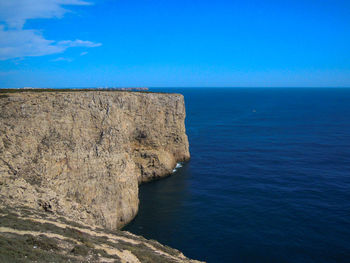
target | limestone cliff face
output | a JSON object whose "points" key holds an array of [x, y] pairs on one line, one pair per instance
{"points": [[83, 154]]}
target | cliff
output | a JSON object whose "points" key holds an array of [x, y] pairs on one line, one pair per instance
{"points": [[70, 166], [83, 154]]}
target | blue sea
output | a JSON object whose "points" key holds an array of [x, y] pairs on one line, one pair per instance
{"points": [[268, 179]]}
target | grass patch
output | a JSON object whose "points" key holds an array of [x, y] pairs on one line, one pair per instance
{"points": [[87, 246], [80, 250], [17, 248], [164, 248], [72, 223], [24, 248], [144, 253]]}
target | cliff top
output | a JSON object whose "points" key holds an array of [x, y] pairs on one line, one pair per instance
{"points": [[3, 91]]}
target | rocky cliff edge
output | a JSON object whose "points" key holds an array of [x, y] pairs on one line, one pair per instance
{"points": [[31, 235], [83, 154]]}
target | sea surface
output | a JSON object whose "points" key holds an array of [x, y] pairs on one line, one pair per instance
{"points": [[268, 181]]}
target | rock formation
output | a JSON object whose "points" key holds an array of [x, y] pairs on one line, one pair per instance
{"points": [[29, 235], [82, 154]]}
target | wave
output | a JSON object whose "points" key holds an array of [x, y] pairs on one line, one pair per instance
{"points": [[178, 166]]}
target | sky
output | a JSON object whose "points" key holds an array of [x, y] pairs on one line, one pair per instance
{"points": [[174, 43]]}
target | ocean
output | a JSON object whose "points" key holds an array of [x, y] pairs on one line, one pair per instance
{"points": [[268, 179]]}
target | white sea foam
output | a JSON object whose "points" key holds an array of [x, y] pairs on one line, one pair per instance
{"points": [[178, 165]]}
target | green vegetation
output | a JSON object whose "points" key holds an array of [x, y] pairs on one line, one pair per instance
{"points": [[80, 250], [26, 248], [69, 243], [23, 248]]}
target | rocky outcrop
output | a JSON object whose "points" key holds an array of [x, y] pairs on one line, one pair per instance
{"points": [[82, 154], [28, 235]]}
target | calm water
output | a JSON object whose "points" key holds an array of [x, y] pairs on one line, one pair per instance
{"points": [[269, 178]]}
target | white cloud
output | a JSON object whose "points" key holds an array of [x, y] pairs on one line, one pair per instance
{"points": [[62, 59], [15, 12], [16, 42], [23, 43], [78, 43], [83, 53], [29, 43]]}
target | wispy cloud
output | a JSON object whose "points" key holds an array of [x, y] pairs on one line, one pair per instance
{"points": [[15, 12], [83, 53], [25, 43], [62, 59], [78, 43], [16, 42]]}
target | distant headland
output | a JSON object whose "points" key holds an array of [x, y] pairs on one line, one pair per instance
{"points": [[88, 88]]}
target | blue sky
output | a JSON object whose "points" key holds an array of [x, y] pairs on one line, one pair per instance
{"points": [[83, 43]]}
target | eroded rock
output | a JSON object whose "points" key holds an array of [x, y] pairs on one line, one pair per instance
{"points": [[83, 154]]}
